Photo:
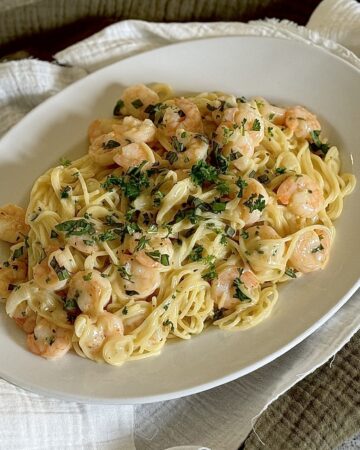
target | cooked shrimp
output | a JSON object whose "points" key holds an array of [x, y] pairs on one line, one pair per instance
{"points": [[253, 201], [94, 335], [302, 195], [137, 98], [84, 243], [11, 274], [264, 248], [151, 252], [105, 147], [301, 121], [48, 340], [182, 113], [248, 119], [189, 149], [25, 317], [90, 290], [233, 140], [273, 113], [311, 251], [99, 127], [12, 223], [134, 154], [53, 272], [140, 281], [225, 289], [136, 130]]}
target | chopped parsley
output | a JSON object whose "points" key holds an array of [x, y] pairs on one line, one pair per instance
{"points": [[290, 272], [76, 227], [158, 196], [110, 144], [159, 257], [108, 235], [196, 253], [124, 310], [169, 323], [65, 191], [60, 271], [87, 277], [211, 107], [223, 240], [241, 184], [131, 184], [171, 157], [137, 103], [142, 243], [241, 99], [220, 161], [202, 172], [131, 293], [280, 170], [244, 234], [255, 202], [263, 179], [223, 188], [178, 146], [124, 273], [117, 108], [256, 126], [218, 313], [155, 112], [316, 145], [211, 274], [229, 231], [65, 162], [18, 252], [239, 294], [218, 207], [317, 249]]}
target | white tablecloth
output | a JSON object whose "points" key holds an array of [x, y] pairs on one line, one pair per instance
{"points": [[221, 418]]}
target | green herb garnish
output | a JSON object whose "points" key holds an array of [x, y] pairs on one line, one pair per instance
{"points": [[110, 144], [317, 146], [117, 108], [76, 227], [64, 193], [87, 277], [196, 253], [124, 273], [137, 103], [142, 243], [239, 294], [202, 172], [60, 271], [256, 126], [290, 272], [241, 184], [255, 202], [65, 162]]}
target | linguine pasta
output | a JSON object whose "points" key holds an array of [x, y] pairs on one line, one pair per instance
{"points": [[186, 212]]}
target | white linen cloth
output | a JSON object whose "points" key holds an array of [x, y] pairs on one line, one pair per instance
{"points": [[222, 417]]}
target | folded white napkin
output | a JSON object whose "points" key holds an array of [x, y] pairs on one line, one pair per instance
{"points": [[220, 418]]}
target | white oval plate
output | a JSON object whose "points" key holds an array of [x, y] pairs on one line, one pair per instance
{"points": [[286, 72]]}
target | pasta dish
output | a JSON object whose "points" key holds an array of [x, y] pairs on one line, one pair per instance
{"points": [[185, 212]]}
